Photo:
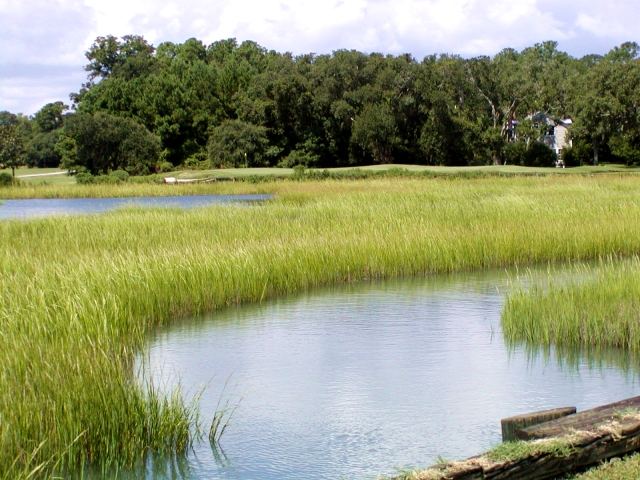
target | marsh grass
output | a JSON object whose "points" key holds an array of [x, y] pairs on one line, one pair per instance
{"points": [[81, 293], [600, 311], [225, 409]]}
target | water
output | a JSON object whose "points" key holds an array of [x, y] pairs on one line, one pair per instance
{"points": [[56, 206], [354, 381]]}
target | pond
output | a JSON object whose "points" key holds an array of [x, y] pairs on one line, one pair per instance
{"points": [[354, 381], [55, 206]]}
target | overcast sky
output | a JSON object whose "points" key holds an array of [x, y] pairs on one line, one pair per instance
{"points": [[42, 42]]}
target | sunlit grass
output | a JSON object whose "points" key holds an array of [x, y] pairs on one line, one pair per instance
{"points": [[600, 311], [80, 293], [268, 179]]}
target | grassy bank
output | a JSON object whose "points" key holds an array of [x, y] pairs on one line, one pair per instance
{"points": [[600, 311], [80, 293], [260, 180]]}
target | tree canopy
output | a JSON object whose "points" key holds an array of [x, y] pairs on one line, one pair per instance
{"points": [[239, 104]]}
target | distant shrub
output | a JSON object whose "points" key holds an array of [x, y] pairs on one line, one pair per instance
{"points": [[84, 178], [198, 161], [121, 175], [298, 171], [539, 155], [579, 154], [147, 179], [5, 179], [165, 167], [317, 174], [513, 152], [106, 179], [298, 157], [358, 174]]}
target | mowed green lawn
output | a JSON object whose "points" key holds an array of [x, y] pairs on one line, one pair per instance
{"points": [[44, 176], [47, 174], [54, 183], [240, 172]]}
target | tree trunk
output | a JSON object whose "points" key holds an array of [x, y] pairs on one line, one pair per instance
{"points": [[496, 159], [595, 152]]}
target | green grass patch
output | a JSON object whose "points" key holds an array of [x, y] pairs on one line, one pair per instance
{"points": [[80, 293], [487, 169], [600, 311], [21, 172], [63, 186], [44, 177], [514, 451], [627, 468]]}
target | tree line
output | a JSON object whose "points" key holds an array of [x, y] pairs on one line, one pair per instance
{"points": [[241, 105]]}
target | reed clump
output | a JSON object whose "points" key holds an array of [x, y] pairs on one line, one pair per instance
{"points": [[600, 311], [80, 293]]}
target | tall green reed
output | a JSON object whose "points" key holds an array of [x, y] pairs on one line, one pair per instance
{"points": [[600, 311]]}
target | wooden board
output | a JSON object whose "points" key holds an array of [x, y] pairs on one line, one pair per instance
{"points": [[587, 420], [593, 436], [511, 426], [588, 449]]}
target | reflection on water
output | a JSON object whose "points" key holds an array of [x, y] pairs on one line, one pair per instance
{"points": [[43, 207], [572, 359], [351, 382]]}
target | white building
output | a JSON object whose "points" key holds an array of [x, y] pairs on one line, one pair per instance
{"points": [[557, 135]]}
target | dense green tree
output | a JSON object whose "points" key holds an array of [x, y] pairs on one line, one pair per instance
{"points": [[8, 118], [238, 144], [11, 147], [351, 108], [41, 150], [103, 143], [605, 104], [109, 56], [376, 133], [41, 133], [50, 117]]}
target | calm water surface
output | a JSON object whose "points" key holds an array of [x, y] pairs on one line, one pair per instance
{"points": [[355, 381], [40, 207]]}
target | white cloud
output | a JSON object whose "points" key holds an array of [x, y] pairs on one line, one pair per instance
{"points": [[51, 32], [599, 26], [57, 32], [26, 88]]}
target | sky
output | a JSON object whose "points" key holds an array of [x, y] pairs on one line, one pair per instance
{"points": [[42, 42]]}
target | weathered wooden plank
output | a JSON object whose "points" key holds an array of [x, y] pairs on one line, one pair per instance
{"points": [[589, 449], [512, 425], [593, 436], [586, 420], [548, 467]]}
